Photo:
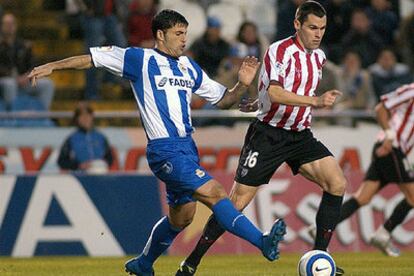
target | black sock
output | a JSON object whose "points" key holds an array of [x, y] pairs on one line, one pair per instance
{"points": [[348, 208], [326, 219], [212, 231], [398, 215]]}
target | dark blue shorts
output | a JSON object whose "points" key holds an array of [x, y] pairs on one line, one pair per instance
{"points": [[175, 161]]}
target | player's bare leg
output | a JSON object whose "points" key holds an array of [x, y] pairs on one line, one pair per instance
{"points": [[241, 195], [212, 194], [162, 235], [382, 236]]}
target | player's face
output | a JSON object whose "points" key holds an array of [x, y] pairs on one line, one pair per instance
{"points": [[310, 33], [85, 120], [173, 40], [8, 25]]}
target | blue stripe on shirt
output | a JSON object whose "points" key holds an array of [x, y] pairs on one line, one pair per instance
{"points": [[183, 97], [199, 78], [133, 61], [161, 98]]}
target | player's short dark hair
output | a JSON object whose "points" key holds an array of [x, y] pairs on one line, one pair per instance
{"points": [[167, 19], [307, 8]]}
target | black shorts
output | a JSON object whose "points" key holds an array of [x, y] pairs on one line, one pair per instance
{"points": [[266, 148], [393, 168]]}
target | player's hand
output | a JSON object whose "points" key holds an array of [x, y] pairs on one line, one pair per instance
{"points": [[384, 149], [249, 105], [40, 72], [248, 70], [328, 98]]}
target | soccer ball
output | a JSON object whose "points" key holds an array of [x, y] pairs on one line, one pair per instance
{"points": [[316, 263]]}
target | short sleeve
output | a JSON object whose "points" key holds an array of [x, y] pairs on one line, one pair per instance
{"points": [[205, 87], [275, 63], [122, 62], [397, 97], [211, 90]]}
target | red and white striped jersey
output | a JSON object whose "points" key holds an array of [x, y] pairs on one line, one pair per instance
{"points": [[296, 70], [400, 103]]}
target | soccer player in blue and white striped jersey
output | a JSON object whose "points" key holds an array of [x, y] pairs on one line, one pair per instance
{"points": [[163, 81]]}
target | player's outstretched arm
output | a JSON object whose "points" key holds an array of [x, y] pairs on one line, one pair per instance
{"points": [[76, 62], [279, 95], [246, 75]]}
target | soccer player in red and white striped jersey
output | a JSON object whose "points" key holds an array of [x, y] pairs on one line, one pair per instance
{"points": [[389, 164], [290, 73]]}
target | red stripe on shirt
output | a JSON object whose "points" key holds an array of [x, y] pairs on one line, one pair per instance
{"points": [[308, 87], [296, 84], [404, 122], [279, 58]]}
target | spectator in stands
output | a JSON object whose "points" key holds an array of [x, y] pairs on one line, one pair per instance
{"points": [[140, 17], [362, 38], [210, 49], [86, 149], [388, 74], [16, 61], [338, 14], [285, 15], [249, 36], [384, 20], [101, 27], [355, 84], [406, 40], [73, 19], [330, 79], [249, 43]]}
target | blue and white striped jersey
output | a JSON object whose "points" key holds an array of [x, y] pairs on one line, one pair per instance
{"points": [[162, 86]]}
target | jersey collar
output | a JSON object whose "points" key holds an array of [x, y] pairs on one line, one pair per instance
{"points": [[164, 54], [297, 43]]}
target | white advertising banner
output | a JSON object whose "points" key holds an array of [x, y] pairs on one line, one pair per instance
{"points": [[36, 150]]}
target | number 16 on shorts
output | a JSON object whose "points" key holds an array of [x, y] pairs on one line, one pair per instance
{"points": [[251, 159]]}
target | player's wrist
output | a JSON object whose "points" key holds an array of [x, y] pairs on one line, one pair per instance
{"points": [[242, 85], [389, 134], [314, 101]]}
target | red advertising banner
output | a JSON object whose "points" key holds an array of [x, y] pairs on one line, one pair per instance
{"points": [[296, 200]]}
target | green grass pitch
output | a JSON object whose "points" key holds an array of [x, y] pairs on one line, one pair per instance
{"points": [[363, 264]]}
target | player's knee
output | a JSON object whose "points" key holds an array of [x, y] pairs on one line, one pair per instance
{"points": [[182, 223], [217, 192], [363, 199], [337, 185], [239, 202]]}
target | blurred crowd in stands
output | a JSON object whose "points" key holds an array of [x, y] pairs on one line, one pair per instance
{"points": [[369, 43]]}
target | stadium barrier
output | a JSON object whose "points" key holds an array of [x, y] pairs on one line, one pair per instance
{"points": [[112, 215], [43, 212]]}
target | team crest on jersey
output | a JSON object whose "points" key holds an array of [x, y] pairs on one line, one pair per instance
{"points": [[167, 168], [200, 173], [104, 49], [244, 172], [298, 73], [320, 74], [279, 68], [182, 67]]}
